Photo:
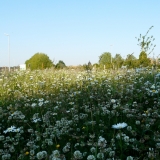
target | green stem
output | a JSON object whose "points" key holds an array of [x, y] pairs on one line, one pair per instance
{"points": [[121, 143]]}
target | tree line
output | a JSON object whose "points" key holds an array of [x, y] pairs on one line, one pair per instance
{"points": [[146, 48], [42, 61], [106, 61]]}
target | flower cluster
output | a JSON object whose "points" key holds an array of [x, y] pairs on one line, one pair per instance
{"points": [[70, 114], [12, 129]]}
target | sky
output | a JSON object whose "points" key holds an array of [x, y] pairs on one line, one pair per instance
{"points": [[73, 31]]}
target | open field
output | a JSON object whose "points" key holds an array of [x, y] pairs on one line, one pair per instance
{"points": [[68, 114]]}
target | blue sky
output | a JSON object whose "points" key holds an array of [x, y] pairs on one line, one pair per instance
{"points": [[75, 31]]}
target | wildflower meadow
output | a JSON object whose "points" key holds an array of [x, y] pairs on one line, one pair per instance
{"points": [[72, 115]]}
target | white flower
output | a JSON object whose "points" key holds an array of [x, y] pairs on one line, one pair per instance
{"points": [[6, 156], [100, 155], [158, 75], [56, 153], [129, 158], [93, 149], [35, 120], [102, 142], [12, 129], [113, 101], [66, 149], [2, 137], [119, 125], [41, 155], [16, 130], [33, 105], [126, 139], [112, 153], [78, 155], [41, 100], [91, 157], [118, 136], [138, 122], [40, 104], [129, 128], [153, 86], [158, 145]]}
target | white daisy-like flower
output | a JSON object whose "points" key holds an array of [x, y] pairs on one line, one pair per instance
{"points": [[153, 86], [91, 157], [12, 129], [33, 105], [113, 101], [119, 125], [35, 120], [40, 104], [129, 158]]}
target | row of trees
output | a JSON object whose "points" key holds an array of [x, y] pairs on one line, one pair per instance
{"points": [[107, 61], [146, 46], [42, 61]]}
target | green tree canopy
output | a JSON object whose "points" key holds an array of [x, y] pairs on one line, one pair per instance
{"points": [[60, 65], [131, 61], [143, 60], [88, 66], [39, 61], [118, 61], [105, 59]]}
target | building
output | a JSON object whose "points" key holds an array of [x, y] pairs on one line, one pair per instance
{"points": [[22, 67]]}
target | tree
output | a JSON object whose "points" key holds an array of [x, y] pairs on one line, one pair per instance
{"points": [[146, 42], [131, 61], [105, 59], [87, 67], [39, 61], [118, 61], [60, 65], [95, 66], [143, 60]]}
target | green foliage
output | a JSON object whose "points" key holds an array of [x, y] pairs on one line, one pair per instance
{"points": [[146, 42], [60, 65], [39, 61], [105, 59], [80, 115], [87, 67], [62, 114], [96, 66], [131, 61], [143, 60], [118, 61]]}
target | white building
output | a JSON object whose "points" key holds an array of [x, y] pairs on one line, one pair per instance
{"points": [[22, 67]]}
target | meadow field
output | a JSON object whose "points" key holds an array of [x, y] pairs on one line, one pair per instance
{"points": [[72, 115]]}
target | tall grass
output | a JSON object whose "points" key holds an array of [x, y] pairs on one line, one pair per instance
{"points": [[65, 114]]}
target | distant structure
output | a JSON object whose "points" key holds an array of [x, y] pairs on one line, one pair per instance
{"points": [[22, 67], [6, 69]]}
